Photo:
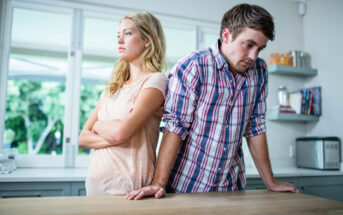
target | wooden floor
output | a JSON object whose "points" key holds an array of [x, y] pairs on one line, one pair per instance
{"points": [[243, 202]]}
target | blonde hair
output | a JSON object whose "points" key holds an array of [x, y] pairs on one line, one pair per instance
{"points": [[154, 55]]}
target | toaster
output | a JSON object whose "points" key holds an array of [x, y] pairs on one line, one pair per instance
{"points": [[318, 152]]}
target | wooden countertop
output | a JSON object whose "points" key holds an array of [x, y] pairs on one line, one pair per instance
{"points": [[243, 202]]}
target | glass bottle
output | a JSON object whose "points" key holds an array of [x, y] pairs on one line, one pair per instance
{"points": [[283, 96]]}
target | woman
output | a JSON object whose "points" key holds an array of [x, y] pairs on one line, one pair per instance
{"points": [[124, 126]]}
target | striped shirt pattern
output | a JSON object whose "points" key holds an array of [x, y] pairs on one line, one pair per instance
{"points": [[211, 111]]}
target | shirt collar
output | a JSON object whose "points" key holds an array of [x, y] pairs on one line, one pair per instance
{"points": [[220, 60]]}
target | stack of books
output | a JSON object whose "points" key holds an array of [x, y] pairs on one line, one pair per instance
{"points": [[283, 109], [306, 101]]}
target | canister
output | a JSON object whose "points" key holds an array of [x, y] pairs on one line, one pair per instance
{"points": [[283, 96], [298, 58]]}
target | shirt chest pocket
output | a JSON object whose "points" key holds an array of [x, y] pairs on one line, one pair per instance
{"points": [[243, 105]]}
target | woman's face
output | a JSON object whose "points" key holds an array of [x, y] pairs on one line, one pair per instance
{"points": [[130, 41]]}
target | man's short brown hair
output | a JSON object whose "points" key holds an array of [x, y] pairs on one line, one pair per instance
{"points": [[251, 16]]}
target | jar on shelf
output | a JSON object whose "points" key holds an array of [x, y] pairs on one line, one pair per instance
{"points": [[286, 59], [299, 58], [283, 96], [274, 58]]}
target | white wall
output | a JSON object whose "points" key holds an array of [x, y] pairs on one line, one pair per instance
{"points": [[323, 33]]}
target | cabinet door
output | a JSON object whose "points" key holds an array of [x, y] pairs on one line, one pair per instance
{"points": [[330, 187], [292, 180], [78, 188], [34, 189], [255, 184]]}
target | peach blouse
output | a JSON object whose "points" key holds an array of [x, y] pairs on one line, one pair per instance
{"points": [[128, 166]]}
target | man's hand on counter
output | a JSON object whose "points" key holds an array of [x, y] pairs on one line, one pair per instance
{"points": [[152, 190], [282, 187]]}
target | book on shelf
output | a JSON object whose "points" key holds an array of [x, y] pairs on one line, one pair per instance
{"points": [[295, 101], [306, 101], [283, 109]]}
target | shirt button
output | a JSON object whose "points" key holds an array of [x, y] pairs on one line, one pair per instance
{"points": [[225, 149], [219, 168]]}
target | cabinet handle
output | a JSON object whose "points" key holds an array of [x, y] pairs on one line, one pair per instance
{"points": [[22, 196]]}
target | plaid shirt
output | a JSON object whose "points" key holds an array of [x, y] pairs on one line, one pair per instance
{"points": [[211, 111]]}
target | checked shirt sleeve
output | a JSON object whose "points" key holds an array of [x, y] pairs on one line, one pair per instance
{"points": [[181, 98], [256, 124]]}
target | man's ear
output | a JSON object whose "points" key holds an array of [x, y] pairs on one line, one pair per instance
{"points": [[226, 35]]}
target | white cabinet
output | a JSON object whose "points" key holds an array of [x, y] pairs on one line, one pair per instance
{"points": [[41, 189], [330, 187]]}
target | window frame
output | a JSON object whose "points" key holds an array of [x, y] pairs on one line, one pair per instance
{"points": [[31, 160], [204, 30]]}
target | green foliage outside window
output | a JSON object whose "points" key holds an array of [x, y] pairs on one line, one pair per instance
{"points": [[34, 119]]}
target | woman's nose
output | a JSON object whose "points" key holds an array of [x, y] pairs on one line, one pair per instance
{"points": [[120, 39]]}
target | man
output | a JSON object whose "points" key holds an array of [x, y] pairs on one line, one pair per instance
{"points": [[215, 97]]}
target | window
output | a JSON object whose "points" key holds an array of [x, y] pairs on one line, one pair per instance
{"points": [[209, 39], [179, 42], [99, 55], [35, 101]]}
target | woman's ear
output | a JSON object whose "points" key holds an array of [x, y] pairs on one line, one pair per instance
{"points": [[147, 43]]}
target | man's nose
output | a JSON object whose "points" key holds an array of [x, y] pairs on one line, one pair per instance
{"points": [[253, 54]]}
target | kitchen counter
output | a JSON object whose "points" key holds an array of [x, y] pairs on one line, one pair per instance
{"points": [[45, 175], [79, 174], [242, 202]]}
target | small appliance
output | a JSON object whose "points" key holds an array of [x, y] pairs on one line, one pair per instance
{"points": [[318, 152]]}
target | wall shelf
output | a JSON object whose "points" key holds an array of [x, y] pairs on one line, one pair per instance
{"points": [[277, 116], [291, 71]]}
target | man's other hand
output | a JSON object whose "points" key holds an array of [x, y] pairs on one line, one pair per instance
{"points": [[282, 187]]}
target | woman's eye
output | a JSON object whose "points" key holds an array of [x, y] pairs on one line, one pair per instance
{"points": [[128, 33]]}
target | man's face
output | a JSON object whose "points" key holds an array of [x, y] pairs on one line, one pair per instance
{"points": [[241, 52]]}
